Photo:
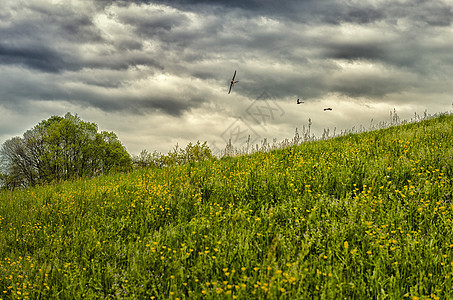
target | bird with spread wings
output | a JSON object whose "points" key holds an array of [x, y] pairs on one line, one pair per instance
{"points": [[233, 82]]}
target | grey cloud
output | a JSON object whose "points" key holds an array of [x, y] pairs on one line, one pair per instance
{"points": [[334, 12], [354, 51], [435, 13], [46, 39], [108, 55], [363, 15], [138, 105], [249, 5], [150, 24], [307, 11], [432, 13], [17, 92], [37, 57], [367, 86]]}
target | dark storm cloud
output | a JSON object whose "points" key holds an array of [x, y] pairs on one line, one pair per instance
{"points": [[432, 13], [367, 86], [139, 106], [354, 51], [86, 96], [328, 11], [37, 57], [154, 23], [172, 57], [168, 28], [51, 38], [173, 107], [48, 23], [348, 14], [260, 5], [46, 39], [421, 12]]}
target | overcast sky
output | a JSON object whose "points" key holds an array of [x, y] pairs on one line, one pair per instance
{"points": [[157, 72]]}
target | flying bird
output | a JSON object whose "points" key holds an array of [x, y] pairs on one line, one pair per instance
{"points": [[299, 102], [327, 108], [233, 82]]}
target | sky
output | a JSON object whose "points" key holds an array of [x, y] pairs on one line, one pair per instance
{"points": [[157, 73]]}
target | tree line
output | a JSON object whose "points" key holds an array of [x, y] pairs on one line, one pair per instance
{"points": [[177, 156], [60, 148], [64, 148]]}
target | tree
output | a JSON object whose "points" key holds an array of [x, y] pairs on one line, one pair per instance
{"points": [[61, 148], [146, 159], [196, 152], [17, 162], [112, 153], [177, 156]]}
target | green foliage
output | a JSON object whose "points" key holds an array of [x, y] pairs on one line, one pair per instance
{"points": [[191, 154], [61, 148], [366, 216]]}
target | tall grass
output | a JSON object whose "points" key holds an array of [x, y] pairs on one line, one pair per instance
{"points": [[359, 216], [306, 135]]}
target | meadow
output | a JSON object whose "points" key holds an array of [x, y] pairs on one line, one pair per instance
{"points": [[362, 216]]}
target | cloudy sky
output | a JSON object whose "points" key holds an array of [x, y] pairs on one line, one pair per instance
{"points": [[157, 72]]}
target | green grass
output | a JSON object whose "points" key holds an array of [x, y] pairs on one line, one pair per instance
{"points": [[361, 216]]}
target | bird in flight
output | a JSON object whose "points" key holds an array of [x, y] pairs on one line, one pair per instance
{"points": [[327, 108], [233, 82], [299, 102]]}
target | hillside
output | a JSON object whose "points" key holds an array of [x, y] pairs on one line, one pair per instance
{"points": [[361, 216]]}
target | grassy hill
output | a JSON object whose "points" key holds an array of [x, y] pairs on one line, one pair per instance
{"points": [[361, 216]]}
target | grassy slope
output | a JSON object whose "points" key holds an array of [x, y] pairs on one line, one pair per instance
{"points": [[360, 216]]}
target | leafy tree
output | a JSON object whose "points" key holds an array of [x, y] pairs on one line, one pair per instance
{"points": [[61, 148], [195, 153], [177, 156], [146, 159], [17, 162], [112, 153]]}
